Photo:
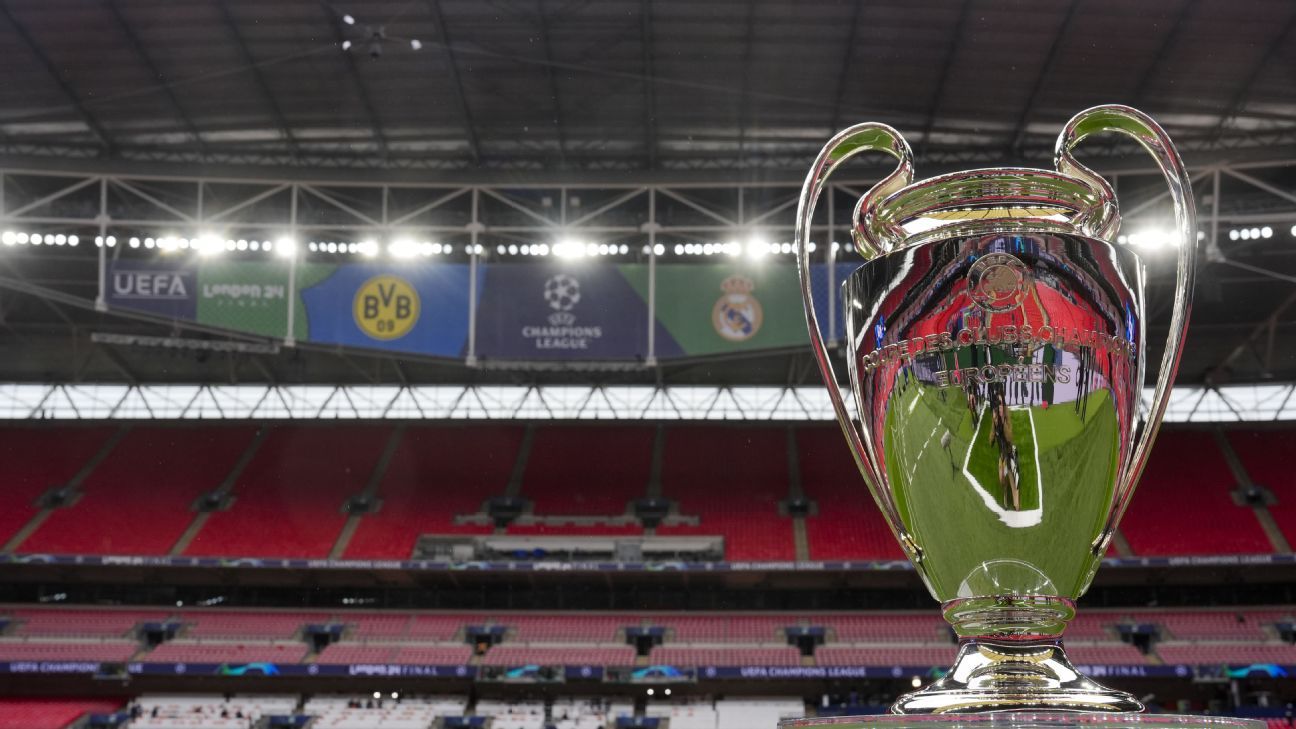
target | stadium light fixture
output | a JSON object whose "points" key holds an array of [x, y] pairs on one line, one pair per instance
{"points": [[916, 682], [757, 248], [8, 238], [403, 248], [208, 244], [349, 20], [569, 248]]}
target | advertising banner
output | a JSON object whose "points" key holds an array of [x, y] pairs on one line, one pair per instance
{"points": [[402, 307], [252, 297], [574, 311], [723, 308], [153, 287], [560, 310]]}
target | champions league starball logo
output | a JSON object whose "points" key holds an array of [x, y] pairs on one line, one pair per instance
{"points": [[737, 315], [562, 293]]}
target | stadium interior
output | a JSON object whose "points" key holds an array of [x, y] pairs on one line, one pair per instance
{"points": [[440, 364]]}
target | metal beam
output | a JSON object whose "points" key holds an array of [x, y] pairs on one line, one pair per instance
{"points": [[947, 64], [258, 78], [456, 82], [96, 129], [553, 83], [848, 56], [375, 123], [744, 100], [1167, 42], [650, 91], [1243, 93], [154, 72], [1050, 60]]}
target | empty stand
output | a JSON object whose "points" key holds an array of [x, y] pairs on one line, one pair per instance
{"points": [[166, 711], [733, 479], [517, 655], [588, 469], [565, 628], [362, 712], [436, 473], [711, 656], [247, 624], [848, 524], [884, 628], [79, 621], [1264, 454], [25, 474], [185, 651], [288, 501], [1182, 505], [63, 649], [890, 655], [1208, 653], [50, 713], [1112, 653], [408, 653], [724, 629], [137, 501]]}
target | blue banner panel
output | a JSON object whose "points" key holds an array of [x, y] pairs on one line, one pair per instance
{"points": [[420, 308], [551, 311], [164, 288]]}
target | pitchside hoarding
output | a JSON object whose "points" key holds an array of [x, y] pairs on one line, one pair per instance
{"points": [[560, 310]]}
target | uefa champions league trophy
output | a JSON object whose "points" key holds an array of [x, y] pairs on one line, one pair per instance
{"points": [[995, 341]]}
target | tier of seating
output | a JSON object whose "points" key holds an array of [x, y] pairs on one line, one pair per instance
{"points": [[1242, 635], [50, 713], [363, 712], [728, 480], [168, 711]]}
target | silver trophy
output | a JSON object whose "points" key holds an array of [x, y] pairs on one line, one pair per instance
{"points": [[995, 341]]}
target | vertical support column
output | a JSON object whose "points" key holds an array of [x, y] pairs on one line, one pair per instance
{"points": [[101, 300], [651, 228], [475, 228], [289, 336]]}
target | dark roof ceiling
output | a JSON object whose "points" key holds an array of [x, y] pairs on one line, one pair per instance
{"points": [[625, 89], [625, 84]]}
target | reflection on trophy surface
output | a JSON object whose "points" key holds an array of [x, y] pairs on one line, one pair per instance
{"points": [[995, 343]]}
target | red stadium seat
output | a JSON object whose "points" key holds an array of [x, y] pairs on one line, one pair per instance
{"points": [[51, 713], [288, 501], [1183, 506], [848, 524], [436, 473], [733, 479], [152, 477], [588, 469], [1264, 455], [25, 474]]}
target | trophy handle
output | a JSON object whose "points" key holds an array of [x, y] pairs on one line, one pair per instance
{"points": [[1150, 136], [866, 137]]}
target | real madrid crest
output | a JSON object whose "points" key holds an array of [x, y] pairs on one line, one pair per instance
{"points": [[998, 282], [737, 315]]}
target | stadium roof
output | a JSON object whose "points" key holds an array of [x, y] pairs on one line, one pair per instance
{"points": [[548, 86], [632, 92]]}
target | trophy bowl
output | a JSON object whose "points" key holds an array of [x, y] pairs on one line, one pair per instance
{"points": [[995, 345]]}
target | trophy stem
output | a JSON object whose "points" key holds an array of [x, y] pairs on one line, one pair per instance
{"points": [[1011, 659]]}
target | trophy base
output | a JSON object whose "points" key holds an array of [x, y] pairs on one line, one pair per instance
{"points": [[1041, 720], [997, 676]]}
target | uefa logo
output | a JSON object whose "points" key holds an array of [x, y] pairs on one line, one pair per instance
{"points": [[998, 282]]}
